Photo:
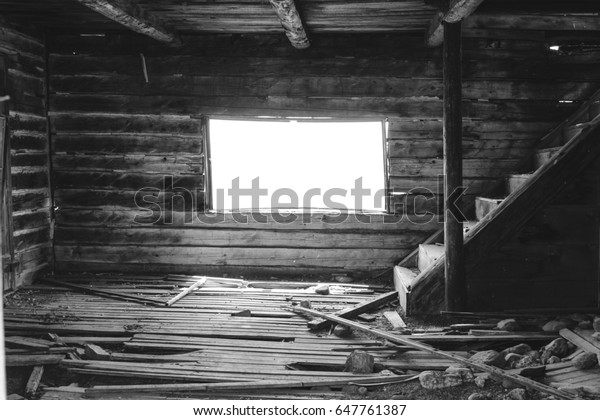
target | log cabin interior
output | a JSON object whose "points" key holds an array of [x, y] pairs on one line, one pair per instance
{"points": [[487, 151]]}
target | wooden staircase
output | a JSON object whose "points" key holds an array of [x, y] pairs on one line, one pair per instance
{"points": [[555, 160]]}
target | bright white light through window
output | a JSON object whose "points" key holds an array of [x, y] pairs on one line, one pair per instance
{"points": [[289, 160]]}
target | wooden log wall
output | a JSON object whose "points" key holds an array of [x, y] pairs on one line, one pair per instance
{"points": [[113, 133], [27, 128]]}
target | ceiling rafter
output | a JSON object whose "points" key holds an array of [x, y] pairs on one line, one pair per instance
{"points": [[132, 16], [291, 22], [456, 12]]}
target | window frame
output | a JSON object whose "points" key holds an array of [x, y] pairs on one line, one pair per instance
{"points": [[207, 162]]}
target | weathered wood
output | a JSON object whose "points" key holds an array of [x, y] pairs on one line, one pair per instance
{"points": [[33, 382], [7, 252], [579, 341], [357, 310], [33, 359], [424, 347], [120, 296], [511, 215], [457, 11], [394, 319], [292, 22], [95, 352], [132, 16], [262, 384], [455, 286], [187, 291]]}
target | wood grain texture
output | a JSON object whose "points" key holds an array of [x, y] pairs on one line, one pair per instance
{"points": [[130, 15], [27, 131], [111, 129], [291, 22]]}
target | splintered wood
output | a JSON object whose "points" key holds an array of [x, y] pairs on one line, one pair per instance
{"points": [[116, 327], [229, 338]]}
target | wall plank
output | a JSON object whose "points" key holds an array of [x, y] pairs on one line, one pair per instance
{"points": [[29, 141], [114, 133]]}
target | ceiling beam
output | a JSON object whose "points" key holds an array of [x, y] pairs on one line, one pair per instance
{"points": [[457, 11], [130, 15], [291, 22]]}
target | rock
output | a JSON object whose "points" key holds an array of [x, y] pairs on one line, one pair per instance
{"points": [[367, 317], [512, 358], [478, 396], [531, 358], [596, 336], [508, 384], [482, 380], [585, 361], [559, 347], [306, 304], [386, 372], [585, 325], [596, 324], [362, 390], [553, 359], [342, 331], [322, 290], [556, 325], [518, 349], [508, 325], [488, 357], [579, 317], [350, 389], [465, 373], [342, 278], [517, 394], [430, 379], [359, 362]]}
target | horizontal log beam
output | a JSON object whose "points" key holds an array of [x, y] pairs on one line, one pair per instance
{"points": [[291, 22], [133, 17], [457, 11]]}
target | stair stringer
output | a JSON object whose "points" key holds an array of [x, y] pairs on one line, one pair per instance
{"points": [[427, 289]]}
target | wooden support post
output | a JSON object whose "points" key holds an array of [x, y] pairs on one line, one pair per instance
{"points": [[453, 228], [291, 22], [457, 11]]}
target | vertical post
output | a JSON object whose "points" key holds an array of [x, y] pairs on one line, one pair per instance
{"points": [[455, 290]]}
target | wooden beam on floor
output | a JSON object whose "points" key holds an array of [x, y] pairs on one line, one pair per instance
{"points": [[457, 11], [455, 287], [404, 340], [130, 15], [291, 22], [361, 308]]}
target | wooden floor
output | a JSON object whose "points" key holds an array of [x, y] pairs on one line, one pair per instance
{"points": [[114, 337], [198, 340]]}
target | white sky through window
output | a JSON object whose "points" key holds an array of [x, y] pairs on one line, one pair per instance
{"points": [[291, 157]]}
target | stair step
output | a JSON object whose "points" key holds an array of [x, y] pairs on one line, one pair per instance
{"points": [[544, 155], [484, 206], [516, 181], [403, 279], [428, 254]]}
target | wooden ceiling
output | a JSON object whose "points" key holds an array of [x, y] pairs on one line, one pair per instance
{"points": [[168, 20], [252, 16]]}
